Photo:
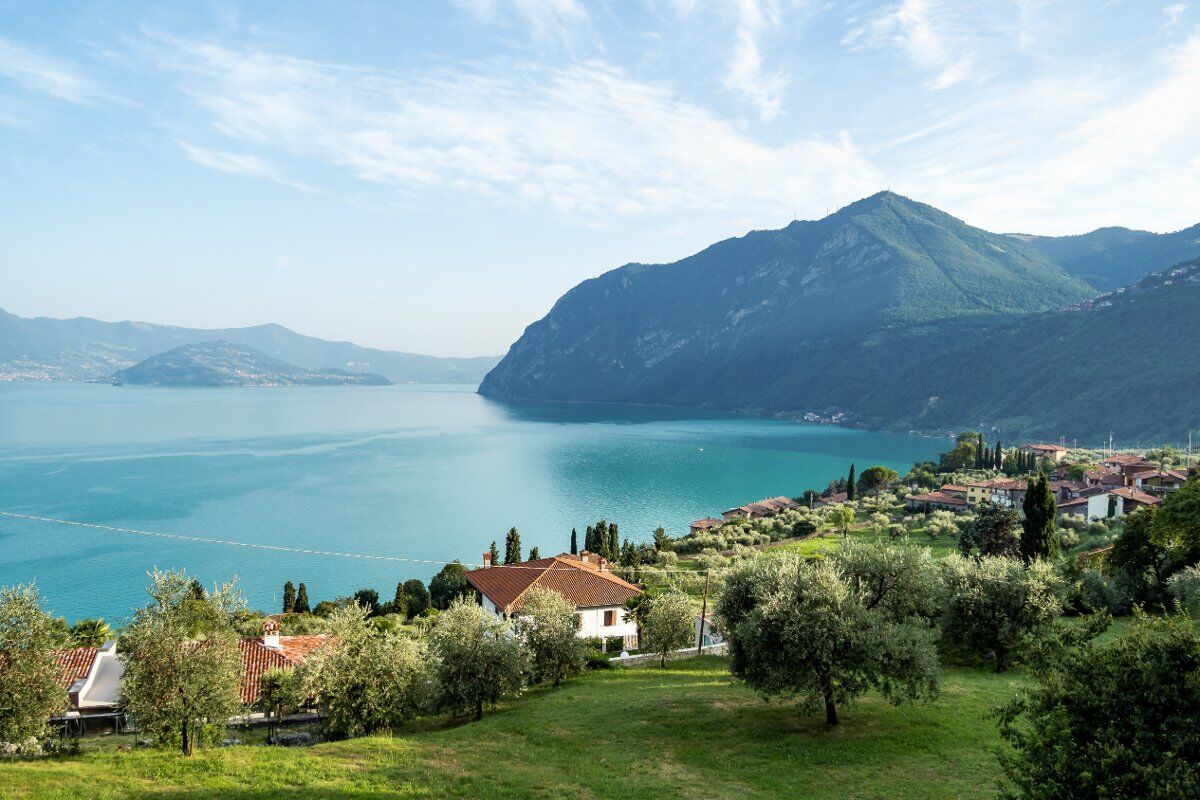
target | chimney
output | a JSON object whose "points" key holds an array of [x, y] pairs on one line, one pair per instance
{"points": [[270, 637], [487, 559], [603, 567], [585, 556]]}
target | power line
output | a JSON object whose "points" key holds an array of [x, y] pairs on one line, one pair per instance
{"points": [[279, 548]]}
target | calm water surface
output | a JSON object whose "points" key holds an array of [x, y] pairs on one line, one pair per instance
{"points": [[426, 472]]}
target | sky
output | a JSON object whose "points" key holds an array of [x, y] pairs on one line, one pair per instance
{"points": [[431, 177]]}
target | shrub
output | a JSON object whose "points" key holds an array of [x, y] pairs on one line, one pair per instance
{"points": [[995, 606], [1184, 586], [1118, 720]]}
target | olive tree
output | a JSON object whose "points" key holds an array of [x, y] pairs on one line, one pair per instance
{"points": [[366, 680], [29, 689], [479, 660], [279, 694], [669, 625], [841, 517], [814, 631], [547, 627], [898, 580], [1115, 720], [183, 665], [996, 606]]}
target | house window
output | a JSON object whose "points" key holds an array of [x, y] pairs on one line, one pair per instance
{"points": [[610, 618], [578, 621]]}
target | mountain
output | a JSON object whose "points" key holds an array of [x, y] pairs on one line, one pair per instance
{"points": [[1111, 257], [223, 363], [1127, 360], [86, 349], [799, 319]]}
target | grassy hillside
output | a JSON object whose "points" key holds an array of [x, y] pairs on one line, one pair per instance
{"points": [[687, 732]]}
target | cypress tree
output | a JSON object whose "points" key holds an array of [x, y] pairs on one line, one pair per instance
{"points": [[574, 543], [850, 484], [999, 454], [590, 542], [614, 544], [1039, 539], [512, 547], [534, 554], [979, 454], [289, 598], [301, 606], [494, 552]]}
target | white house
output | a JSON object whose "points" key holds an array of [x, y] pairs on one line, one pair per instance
{"points": [[1093, 507], [585, 580]]}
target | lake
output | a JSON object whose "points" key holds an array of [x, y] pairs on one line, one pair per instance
{"points": [[422, 472]]}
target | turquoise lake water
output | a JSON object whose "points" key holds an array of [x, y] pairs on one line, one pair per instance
{"points": [[425, 472]]}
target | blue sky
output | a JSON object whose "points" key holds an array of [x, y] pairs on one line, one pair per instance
{"points": [[432, 177]]}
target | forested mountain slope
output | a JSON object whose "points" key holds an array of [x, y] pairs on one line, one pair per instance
{"points": [[760, 321]]}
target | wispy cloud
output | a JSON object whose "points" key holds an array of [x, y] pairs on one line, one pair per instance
{"points": [[1069, 152], [545, 19], [919, 28], [583, 139], [39, 73], [1174, 13], [239, 164], [747, 74]]}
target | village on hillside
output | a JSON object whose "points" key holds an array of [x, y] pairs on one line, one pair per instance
{"points": [[988, 548]]}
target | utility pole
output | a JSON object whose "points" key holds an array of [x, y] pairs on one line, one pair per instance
{"points": [[703, 615]]}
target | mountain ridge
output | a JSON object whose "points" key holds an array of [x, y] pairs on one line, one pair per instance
{"points": [[83, 348], [804, 321]]}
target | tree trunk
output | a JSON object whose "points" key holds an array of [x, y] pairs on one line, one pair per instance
{"points": [[831, 717], [186, 741], [478, 711], [1001, 660]]}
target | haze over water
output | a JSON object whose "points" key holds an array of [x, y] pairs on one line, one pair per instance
{"points": [[424, 472]]}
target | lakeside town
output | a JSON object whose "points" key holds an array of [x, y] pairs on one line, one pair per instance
{"points": [[296, 674]]}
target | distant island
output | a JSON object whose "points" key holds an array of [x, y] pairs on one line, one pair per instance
{"points": [[224, 363]]}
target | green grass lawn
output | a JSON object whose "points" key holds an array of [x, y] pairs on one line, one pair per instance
{"points": [[688, 732]]}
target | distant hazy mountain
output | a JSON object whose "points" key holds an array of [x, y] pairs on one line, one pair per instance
{"points": [[1127, 361], [1111, 257], [86, 349], [226, 364], [767, 321]]}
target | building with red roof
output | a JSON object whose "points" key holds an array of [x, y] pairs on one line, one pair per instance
{"points": [[585, 580]]}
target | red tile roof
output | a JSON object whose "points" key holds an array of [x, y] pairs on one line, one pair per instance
{"points": [[257, 658], [1136, 496], [707, 523], [74, 664], [1047, 448], [1124, 458], [939, 497], [582, 583]]}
